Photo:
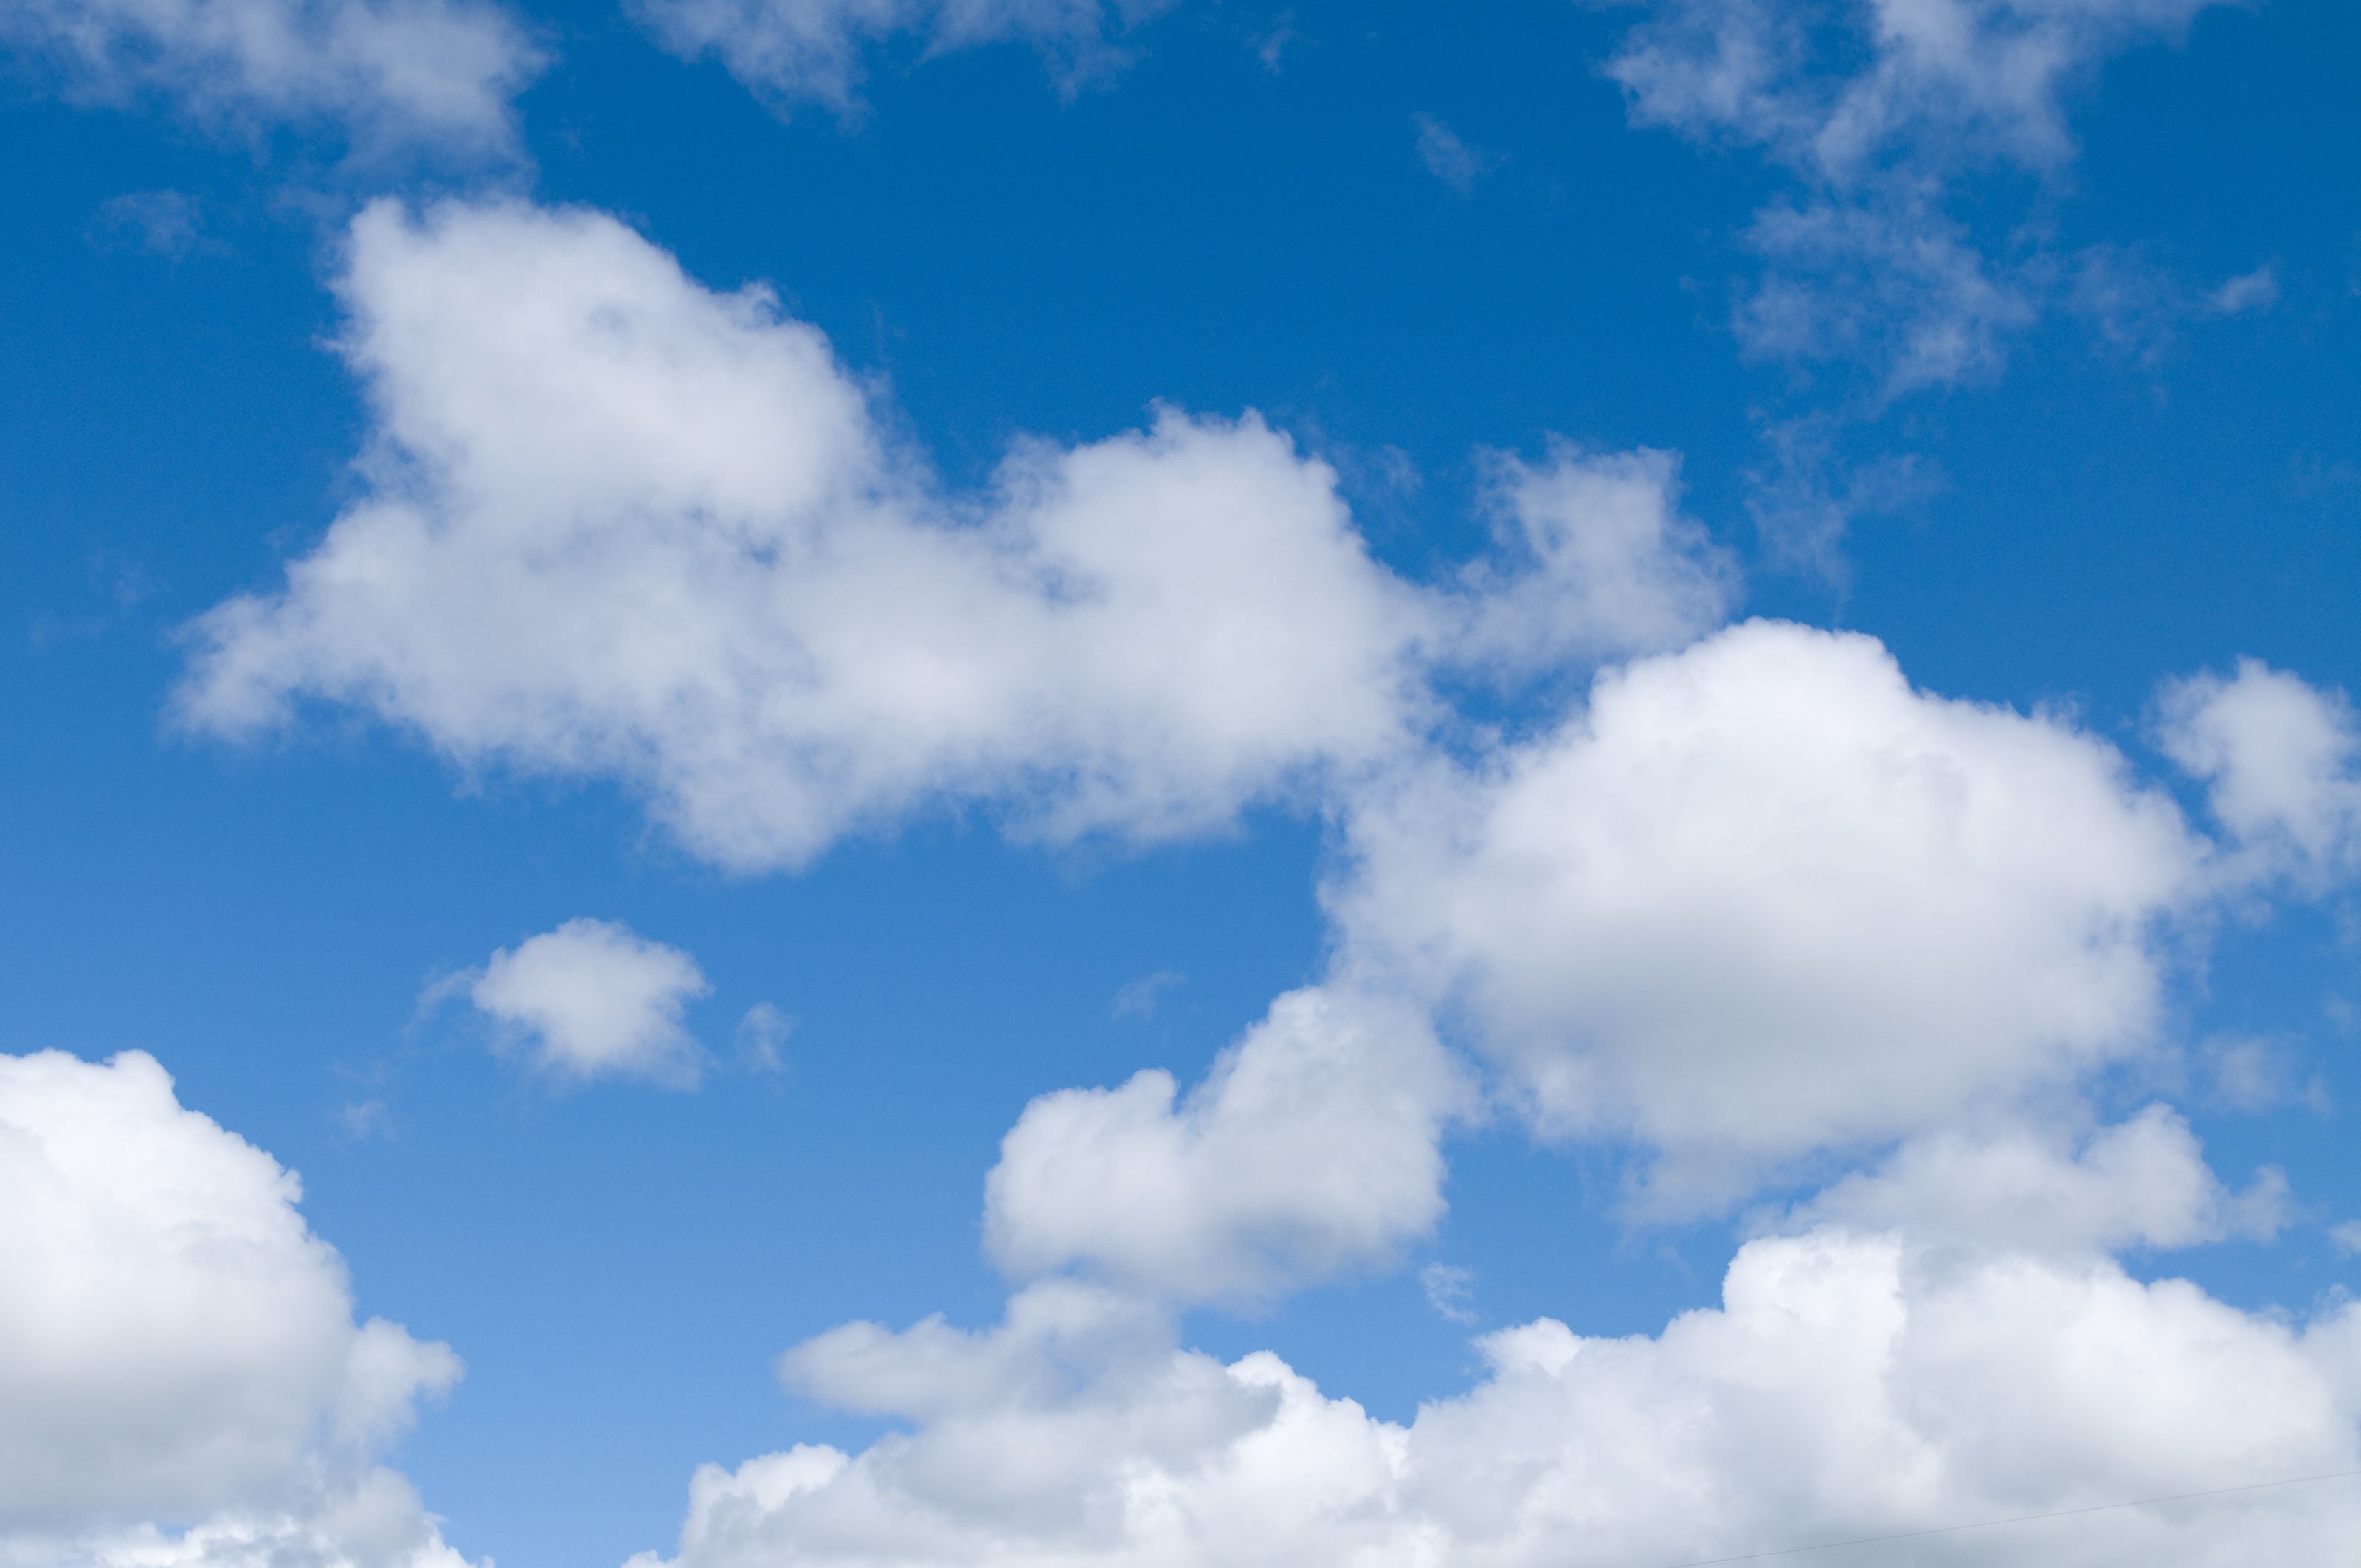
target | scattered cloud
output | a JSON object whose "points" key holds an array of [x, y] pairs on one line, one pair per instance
{"points": [[1272, 47], [594, 1000], [2256, 290], [2256, 1074], [1914, 145], [1805, 498], [817, 52], [2281, 763], [1879, 113], [167, 224], [442, 73], [1448, 157], [1312, 1147], [1143, 997], [763, 1036], [1594, 558], [1450, 1291], [365, 1121]]}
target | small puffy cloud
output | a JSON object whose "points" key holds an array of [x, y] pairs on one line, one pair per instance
{"points": [[616, 524], [762, 1036], [181, 1379], [1449, 158], [2256, 290], [1450, 1291], [1312, 1146], [2281, 763], [442, 72], [1052, 1330], [593, 999], [2142, 1183], [796, 51], [1760, 897], [1596, 560], [1847, 1385]]}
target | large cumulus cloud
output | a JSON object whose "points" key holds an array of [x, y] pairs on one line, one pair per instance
{"points": [[618, 524], [1848, 1384], [1761, 897], [177, 1348]]}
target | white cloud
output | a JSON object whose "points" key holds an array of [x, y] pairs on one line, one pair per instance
{"points": [[373, 1521], [1312, 1146], [762, 1035], [1893, 283], [619, 525], [1942, 81], [1849, 1385], [2258, 1073], [1449, 158], [596, 1000], [2282, 760], [1879, 110], [177, 1347], [2142, 1183], [2256, 290], [1142, 998], [438, 72], [168, 223], [1805, 497], [1760, 898], [1595, 559], [793, 52], [1753, 903], [1450, 1291]]}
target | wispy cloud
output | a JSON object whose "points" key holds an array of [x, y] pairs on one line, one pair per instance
{"points": [[1449, 157]]}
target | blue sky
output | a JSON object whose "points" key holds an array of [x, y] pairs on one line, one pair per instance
{"points": [[1698, 650]]}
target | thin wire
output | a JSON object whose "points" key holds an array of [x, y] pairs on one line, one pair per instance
{"points": [[2021, 1518]]}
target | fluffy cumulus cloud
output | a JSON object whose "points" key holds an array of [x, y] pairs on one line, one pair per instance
{"points": [[1878, 110], [374, 1521], [815, 50], [618, 524], [1760, 897], [1594, 559], [1312, 1145], [2281, 763], [181, 1379], [1847, 1385], [439, 71], [2143, 1182], [593, 999]]}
